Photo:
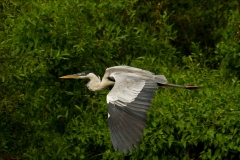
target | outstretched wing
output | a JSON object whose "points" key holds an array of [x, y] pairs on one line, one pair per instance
{"points": [[128, 102]]}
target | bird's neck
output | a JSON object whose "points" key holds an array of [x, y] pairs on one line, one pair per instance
{"points": [[95, 84]]}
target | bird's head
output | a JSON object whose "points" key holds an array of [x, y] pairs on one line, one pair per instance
{"points": [[82, 75]]}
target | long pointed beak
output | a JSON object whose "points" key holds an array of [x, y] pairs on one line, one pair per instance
{"points": [[69, 76]]}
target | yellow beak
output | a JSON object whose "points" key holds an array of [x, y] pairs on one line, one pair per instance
{"points": [[69, 76]]}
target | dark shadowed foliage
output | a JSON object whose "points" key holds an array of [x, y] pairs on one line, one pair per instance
{"points": [[44, 117]]}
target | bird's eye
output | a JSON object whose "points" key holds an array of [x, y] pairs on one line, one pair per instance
{"points": [[81, 74], [78, 74]]}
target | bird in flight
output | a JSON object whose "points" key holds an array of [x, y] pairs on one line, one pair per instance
{"points": [[128, 101]]}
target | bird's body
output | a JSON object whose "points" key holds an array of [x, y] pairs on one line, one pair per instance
{"points": [[128, 101], [96, 84]]}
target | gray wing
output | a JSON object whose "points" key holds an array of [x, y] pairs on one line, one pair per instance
{"points": [[128, 69], [128, 103], [161, 79]]}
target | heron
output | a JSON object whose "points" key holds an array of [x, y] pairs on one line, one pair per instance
{"points": [[128, 101]]}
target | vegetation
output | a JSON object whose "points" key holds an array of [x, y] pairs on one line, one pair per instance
{"points": [[190, 42]]}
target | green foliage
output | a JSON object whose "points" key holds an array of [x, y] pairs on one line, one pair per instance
{"points": [[200, 124], [204, 23], [44, 117]]}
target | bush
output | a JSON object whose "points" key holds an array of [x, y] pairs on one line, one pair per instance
{"points": [[44, 117], [202, 23]]}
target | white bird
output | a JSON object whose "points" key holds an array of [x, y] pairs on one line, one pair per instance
{"points": [[128, 101]]}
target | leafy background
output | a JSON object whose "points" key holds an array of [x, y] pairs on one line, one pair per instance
{"points": [[190, 42]]}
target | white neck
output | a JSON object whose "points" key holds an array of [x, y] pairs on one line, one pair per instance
{"points": [[95, 83]]}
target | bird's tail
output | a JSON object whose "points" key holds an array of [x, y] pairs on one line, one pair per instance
{"points": [[162, 81]]}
